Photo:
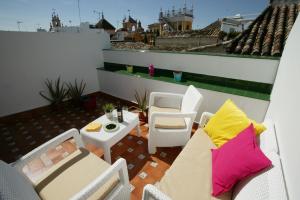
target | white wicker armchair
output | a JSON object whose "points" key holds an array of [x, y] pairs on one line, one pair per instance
{"points": [[169, 125], [120, 190]]}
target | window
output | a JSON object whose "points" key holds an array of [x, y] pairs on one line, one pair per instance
{"points": [[179, 27]]}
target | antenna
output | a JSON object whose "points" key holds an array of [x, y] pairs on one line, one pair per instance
{"points": [[97, 12], [19, 25], [78, 1], [128, 12]]}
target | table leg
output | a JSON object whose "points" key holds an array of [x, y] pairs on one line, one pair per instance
{"points": [[138, 130], [107, 156]]}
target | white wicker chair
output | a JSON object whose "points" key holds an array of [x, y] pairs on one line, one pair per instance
{"points": [[120, 191], [187, 109]]}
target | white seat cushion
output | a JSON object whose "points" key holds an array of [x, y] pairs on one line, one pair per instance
{"points": [[165, 122]]}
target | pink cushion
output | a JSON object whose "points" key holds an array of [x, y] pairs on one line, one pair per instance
{"points": [[235, 160]]}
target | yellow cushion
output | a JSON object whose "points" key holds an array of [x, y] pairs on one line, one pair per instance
{"points": [[93, 127], [229, 121], [72, 174], [166, 122]]}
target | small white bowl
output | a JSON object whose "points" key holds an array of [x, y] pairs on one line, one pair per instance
{"points": [[111, 130]]}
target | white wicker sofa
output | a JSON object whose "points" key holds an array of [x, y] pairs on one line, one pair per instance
{"points": [[189, 177]]}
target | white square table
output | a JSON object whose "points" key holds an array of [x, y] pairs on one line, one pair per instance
{"points": [[106, 140]]}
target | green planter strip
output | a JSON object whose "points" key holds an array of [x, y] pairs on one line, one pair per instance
{"points": [[231, 86]]}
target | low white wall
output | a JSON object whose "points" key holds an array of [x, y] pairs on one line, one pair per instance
{"points": [[27, 59], [124, 86], [258, 70], [285, 109]]}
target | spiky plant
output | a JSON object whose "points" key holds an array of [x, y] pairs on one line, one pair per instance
{"points": [[56, 91], [76, 90], [108, 107], [142, 100]]}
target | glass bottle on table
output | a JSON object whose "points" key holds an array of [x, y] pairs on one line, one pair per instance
{"points": [[120, 113]]}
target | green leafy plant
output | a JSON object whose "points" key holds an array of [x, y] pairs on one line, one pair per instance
{"points": [[108, 107], [142, 100], [57, 91], [76, 90]]}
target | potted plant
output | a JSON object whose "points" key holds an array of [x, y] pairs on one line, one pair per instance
{"points": [[129, 68], [89, 102], [177, 75], [76, 91], [56, 92], [108, 109], [142, 101]]}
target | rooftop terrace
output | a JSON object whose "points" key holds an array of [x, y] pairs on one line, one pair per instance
{"points": [[25, 131], [264, 88]]}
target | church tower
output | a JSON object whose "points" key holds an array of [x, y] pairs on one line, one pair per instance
{"points": [[55, 22]]}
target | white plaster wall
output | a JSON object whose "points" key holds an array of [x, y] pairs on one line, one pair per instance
{"points": [[124, 87], [285, 109], [27, 59], [258, 70], [226, 27]]}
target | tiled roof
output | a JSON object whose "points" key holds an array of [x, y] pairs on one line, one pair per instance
{"points": [[212, 30], [103, 23], [267, 34]]}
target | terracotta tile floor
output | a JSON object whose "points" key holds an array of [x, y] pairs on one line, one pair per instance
{"points": [[23, 132]]}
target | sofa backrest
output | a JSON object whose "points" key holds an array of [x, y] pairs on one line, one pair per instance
{"points": [[13, 185], [268, 140], [284, 110], [270, 184]]}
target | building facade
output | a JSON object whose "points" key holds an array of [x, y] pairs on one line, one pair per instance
{"points": [[237, 23], [132, 25], [173, 21]]}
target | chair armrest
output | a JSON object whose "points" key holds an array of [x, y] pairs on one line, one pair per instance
{"points": [[205, 117], [72, 133], [119, 167], [151, 192], [153, 95]]}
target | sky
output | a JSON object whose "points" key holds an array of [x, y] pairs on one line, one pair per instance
{"points": [[37, 13]]}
